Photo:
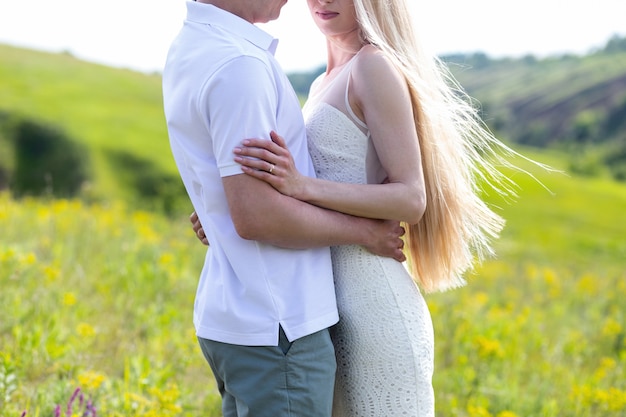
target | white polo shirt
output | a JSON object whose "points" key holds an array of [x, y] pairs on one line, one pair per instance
{"points": [[221, 84]]}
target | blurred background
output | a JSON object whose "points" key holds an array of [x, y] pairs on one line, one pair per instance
{"points": [[130, 35], [98, 263]]}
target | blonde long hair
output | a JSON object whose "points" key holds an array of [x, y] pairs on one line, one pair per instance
{"points": [[459, 154]]}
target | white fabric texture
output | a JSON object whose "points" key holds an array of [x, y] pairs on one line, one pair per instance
{"points": [[222, 84], [384, 341]]}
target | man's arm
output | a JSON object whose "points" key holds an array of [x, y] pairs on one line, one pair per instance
{"points": [[259, 212]]}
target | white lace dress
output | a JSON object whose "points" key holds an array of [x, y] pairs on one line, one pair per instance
{"points": [[384, 339]]}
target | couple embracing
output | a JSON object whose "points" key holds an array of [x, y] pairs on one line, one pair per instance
{"points": [[305, 306]]}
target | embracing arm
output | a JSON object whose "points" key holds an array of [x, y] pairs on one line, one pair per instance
{"points": [[258, 211], [261, 213], [324, 229], [387, 109]]}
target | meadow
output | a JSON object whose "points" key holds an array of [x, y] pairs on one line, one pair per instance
{"points": [[97, 300], [97, 292]]}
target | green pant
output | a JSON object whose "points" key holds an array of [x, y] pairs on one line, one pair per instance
{"points": [[289, 380]]}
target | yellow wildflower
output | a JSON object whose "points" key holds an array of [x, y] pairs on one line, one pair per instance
{"points": [[43, 214], [611, 327], [606, 364], [477, 411], [147, 233], [549, 276], [69, 299], [616, 400], [600, 396], [481, 298], [587, 284], [51, 273], [91, 380], [167, 397], [612, 399], [85, 330], [7, 255], [506, 413], [531, 271], [29, 259], [489, 347], [166, 259]]}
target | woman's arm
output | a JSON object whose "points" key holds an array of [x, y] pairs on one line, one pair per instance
{"points": [[386, 108]]}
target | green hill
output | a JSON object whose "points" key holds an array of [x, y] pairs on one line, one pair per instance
{"points": [[116, 114], [574, 104], [541, 102]]}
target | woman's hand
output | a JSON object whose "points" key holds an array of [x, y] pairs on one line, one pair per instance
{"points": [[197, 228], [271, 161]]}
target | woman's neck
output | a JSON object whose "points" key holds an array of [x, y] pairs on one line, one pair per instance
{"points": [[340, 50]]}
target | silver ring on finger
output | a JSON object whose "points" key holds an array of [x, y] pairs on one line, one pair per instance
{"points": [[271, 168]]}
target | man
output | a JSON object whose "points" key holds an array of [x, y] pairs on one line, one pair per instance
{"points": [[265, 297]]}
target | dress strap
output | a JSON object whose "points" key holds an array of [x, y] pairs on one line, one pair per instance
{"points": [[353, 116]]}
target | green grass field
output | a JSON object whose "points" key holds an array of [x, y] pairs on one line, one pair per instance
{"points": [[98, 297]]}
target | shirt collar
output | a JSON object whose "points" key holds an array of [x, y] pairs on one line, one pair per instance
{"points": [[212, 15]]}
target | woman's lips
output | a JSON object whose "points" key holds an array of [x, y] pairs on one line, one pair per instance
{"points": [[326, 15]]}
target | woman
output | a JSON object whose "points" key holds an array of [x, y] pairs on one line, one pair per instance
{"points": [[390, 139]]}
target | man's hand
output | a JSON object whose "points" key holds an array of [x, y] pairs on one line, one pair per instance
{"points": [[197, 228], [386, 239]]}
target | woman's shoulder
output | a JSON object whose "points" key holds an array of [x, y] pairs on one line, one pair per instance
{"points": [[369, 54], [369, 50], [374, 68], [372, 62]]}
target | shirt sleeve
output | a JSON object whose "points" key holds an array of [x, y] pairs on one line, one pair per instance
{"points": [[240, 102]]}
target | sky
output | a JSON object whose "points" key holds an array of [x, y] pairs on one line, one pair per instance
{"points": [[136, 34]]}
